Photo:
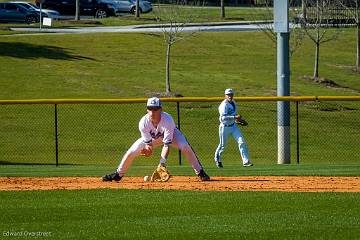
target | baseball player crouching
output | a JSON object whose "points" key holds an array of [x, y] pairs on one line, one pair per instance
{"points": [[228, 127], [157, 128]]}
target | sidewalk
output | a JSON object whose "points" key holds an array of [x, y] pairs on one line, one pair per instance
{"points": [[193, 27], [210, 24]]}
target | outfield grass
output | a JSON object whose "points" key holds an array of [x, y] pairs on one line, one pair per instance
{"points": [[99, 135], [230, 169], [142, 214]]}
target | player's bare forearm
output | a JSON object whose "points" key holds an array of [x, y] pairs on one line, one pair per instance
{"points": [[165, 152]]}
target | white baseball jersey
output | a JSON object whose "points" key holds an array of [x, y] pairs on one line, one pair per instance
{"points": [[164, 129], [227, 112]]}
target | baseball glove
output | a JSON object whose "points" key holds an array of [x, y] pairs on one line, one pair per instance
{"points": [[241, 122], [161, 174]]}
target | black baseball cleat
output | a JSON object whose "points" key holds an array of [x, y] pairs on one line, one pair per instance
{"points": [[219, 164], [203, 176], [112, 177]]}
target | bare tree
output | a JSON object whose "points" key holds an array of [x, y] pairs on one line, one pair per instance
{"points": [[222, 9], [353, 9], [174, 18], [137, 9], [77, 10], [316, 24], [303, 8]]}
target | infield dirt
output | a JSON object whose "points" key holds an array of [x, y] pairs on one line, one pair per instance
{"points": [[238, 183]]}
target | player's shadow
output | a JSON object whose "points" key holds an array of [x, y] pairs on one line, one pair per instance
{"points": [[33, 51]]}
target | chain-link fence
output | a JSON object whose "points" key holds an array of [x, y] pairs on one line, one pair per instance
{"points": [[99, 134]]}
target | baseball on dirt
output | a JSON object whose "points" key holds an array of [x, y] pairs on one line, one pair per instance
{"points": [[146, 178]]}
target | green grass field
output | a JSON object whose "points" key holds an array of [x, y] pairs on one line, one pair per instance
{"points": [[99, 66], [94, 137], [230, 169], [141, 214]]}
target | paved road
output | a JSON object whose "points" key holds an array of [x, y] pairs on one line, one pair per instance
{"points": [[212, 27]]}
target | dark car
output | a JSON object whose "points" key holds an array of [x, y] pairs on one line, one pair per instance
{"points": [[45, 12], [14, 12], [97, 8]]}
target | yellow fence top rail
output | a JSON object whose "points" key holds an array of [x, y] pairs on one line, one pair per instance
{"points": [[179, 99]]}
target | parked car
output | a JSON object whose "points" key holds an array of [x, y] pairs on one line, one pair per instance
{"points": [[129, 6], [44, 12], [97, 8], [14, 12]]}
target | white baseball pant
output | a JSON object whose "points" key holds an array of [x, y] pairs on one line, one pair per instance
{"points": [[224, 134], [179, 142]]}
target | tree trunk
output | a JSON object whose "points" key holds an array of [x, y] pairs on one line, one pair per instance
{"points": [[222, 6], [77, 10], [316, 67], [303, 6], [137, 10], [168, 90], [317, 41], [358, 47]]}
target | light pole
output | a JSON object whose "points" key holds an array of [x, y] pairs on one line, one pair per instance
{"points": [[281, 27]]}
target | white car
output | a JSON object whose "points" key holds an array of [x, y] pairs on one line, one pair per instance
{"points": [[44, 12]]}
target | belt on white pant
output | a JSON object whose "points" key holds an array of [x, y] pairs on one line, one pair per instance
{"points": [[228, 125]]}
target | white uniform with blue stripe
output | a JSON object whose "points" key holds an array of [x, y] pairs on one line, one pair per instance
{"points": [[227, 127], [164, 133], [164, 130]]}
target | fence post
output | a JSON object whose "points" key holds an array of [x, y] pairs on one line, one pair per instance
{"points": [[178, 123], [297, 133], [56, 138]]}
